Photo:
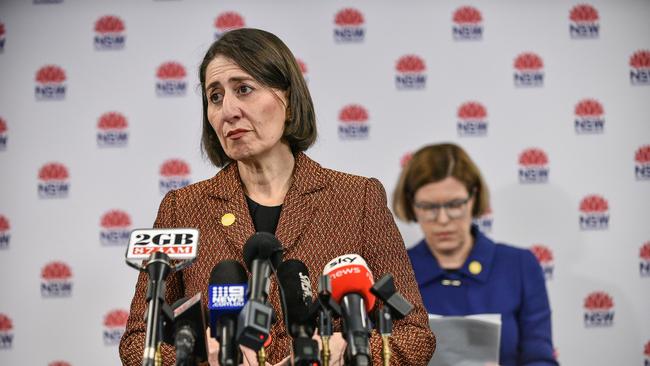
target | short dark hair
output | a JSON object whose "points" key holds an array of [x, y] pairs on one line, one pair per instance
{"points": [[269, 61], [434, 163]]}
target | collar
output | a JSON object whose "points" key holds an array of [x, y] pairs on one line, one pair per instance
{"points": [[481, 256]]}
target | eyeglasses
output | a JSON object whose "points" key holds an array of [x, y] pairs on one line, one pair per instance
{"points": [[429, 211]]}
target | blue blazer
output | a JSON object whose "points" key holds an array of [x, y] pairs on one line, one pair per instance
{"points": [[495, 278]]}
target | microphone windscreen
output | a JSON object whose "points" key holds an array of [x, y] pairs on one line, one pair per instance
{"points": [[293, 277], [262, 245], [350, 274], [228, 272]]}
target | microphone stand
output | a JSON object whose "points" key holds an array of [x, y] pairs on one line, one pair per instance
{"points": [[395, 306], [328, 309], [159, 314]]}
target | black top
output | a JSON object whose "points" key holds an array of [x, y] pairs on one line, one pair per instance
{"points": [[265, 218]]}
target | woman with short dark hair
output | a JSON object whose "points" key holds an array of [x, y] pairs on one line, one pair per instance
{"points": [[258, 120], [459, 270]]}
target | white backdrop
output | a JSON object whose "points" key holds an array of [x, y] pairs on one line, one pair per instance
{"points": [[100, 114]]}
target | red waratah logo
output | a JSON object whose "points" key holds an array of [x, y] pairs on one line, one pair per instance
{"points": [[589, 108], [171, 71], [115, 219], [598, 301], [4, 224], [410, 64], [472, 110], [112, 121], [528, 61], [640, 63], [349, 17], [109, 24], [116, 319], [56, 271], [58, 363], [53, 172], [228, 21], [353, 113], [50, 74], [642, 155], [542, 253], [644, 252], [174, 168], [5, 323], [3, 126], [404, 160], [533, 157], [584, 13], [2, 29], [302, 65], [467, 15], [640, 59], [646, 350], [594, 204]]}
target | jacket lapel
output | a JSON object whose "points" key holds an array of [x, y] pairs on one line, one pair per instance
{"points": [[300, 204], [298, 209], [227, 188]]}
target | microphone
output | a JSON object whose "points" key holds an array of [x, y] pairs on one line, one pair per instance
{"points": [[299, 314], [226, 298], [189, 331], [351, 282], [262, 254], [159, 247]]}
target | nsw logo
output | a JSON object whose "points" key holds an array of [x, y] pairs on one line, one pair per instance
{"points": [[109, 33], [640, 68], [472, 120], [646, 353], [5, 236], [353, 123], [114, 325], [642, 163], [599, 310], [584, 22], [59, 363], [529, 70], [6, 332], [50, 83], [533, 166], [303, 69], [485, 222], [53, 181], [644, 260], [544, 256], [174, 174], [227, 21], [2, 37], [112, 130], [589, 117], [410, 73], [348, 26], [467, 24], [3, 135], [594, 213], [115, 228], [171, 80], [56, 280]]}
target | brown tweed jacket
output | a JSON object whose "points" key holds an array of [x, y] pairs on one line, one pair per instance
{"points": [[325, 214]]}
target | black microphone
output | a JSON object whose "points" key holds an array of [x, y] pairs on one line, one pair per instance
{"points": [[262, 254], [226, 298], [189, 331], [299, 314]]}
